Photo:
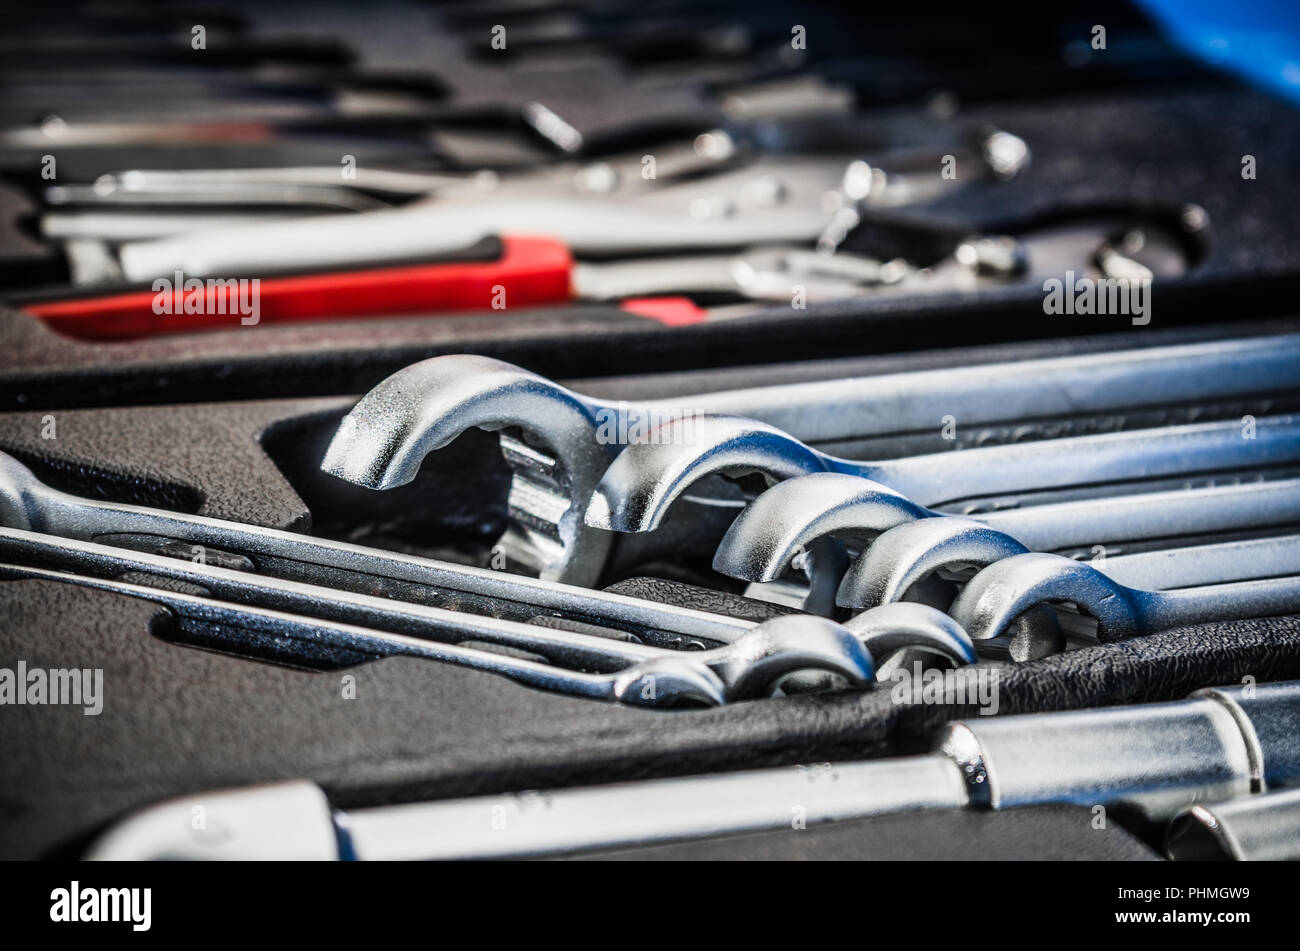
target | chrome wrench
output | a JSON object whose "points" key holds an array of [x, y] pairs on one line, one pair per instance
{"points": [[741, 667], [908, 541], [646, 478], [1250, 828], [749, 667], [903, 556], [998, 594], [28, 503], [693, 214], [572, 438]]}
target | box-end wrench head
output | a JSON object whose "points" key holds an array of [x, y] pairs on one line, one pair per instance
{"points": [[799, 514], [791, 516], [904, 626], [903, 556], [645, 479]]}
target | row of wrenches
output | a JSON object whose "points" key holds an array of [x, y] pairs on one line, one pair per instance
{"points": [[906, 519], [902, 528], [293, 598]]}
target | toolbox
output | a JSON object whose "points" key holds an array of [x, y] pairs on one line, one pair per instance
{"points": [[410, 410]]}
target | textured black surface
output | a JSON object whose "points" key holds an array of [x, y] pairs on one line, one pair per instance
{"points": [[222, 467], [211, 459], [701, 599], [179, 720]]}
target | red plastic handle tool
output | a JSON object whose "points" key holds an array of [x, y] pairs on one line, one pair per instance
{"points": [[530, 271]]}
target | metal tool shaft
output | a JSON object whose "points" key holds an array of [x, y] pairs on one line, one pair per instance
{"points": [[1253, 828], [646, 478], [794, 515], [26, 502], [1154, 758], [383, 440], [901, 557], [589, 225], [662, 678], [917, 401], [582, 651]]}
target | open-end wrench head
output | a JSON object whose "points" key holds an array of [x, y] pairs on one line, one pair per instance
{"points": [[906, 554], [792, 515], [647, 477], [381, 443], [890, 628], [996, 596]]}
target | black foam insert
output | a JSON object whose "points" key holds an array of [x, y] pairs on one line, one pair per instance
{"points": [[179, 720]]}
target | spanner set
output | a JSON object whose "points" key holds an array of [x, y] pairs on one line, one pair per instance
{"points": [[555, 429]]}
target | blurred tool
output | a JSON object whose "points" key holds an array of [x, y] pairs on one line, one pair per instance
{"points": [[1227, 743]]}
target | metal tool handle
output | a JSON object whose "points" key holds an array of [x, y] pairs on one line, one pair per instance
{"points": [[940, 478], [647, 477], [640, 813], [573, 649], [588, 226], [751, 667], [1251, 828], [335, 636], [1217, 508], [27, 503], [997, 595], [1267, 597], [125, 185], [828, 410], [1199, 565], [1155, 757]]}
